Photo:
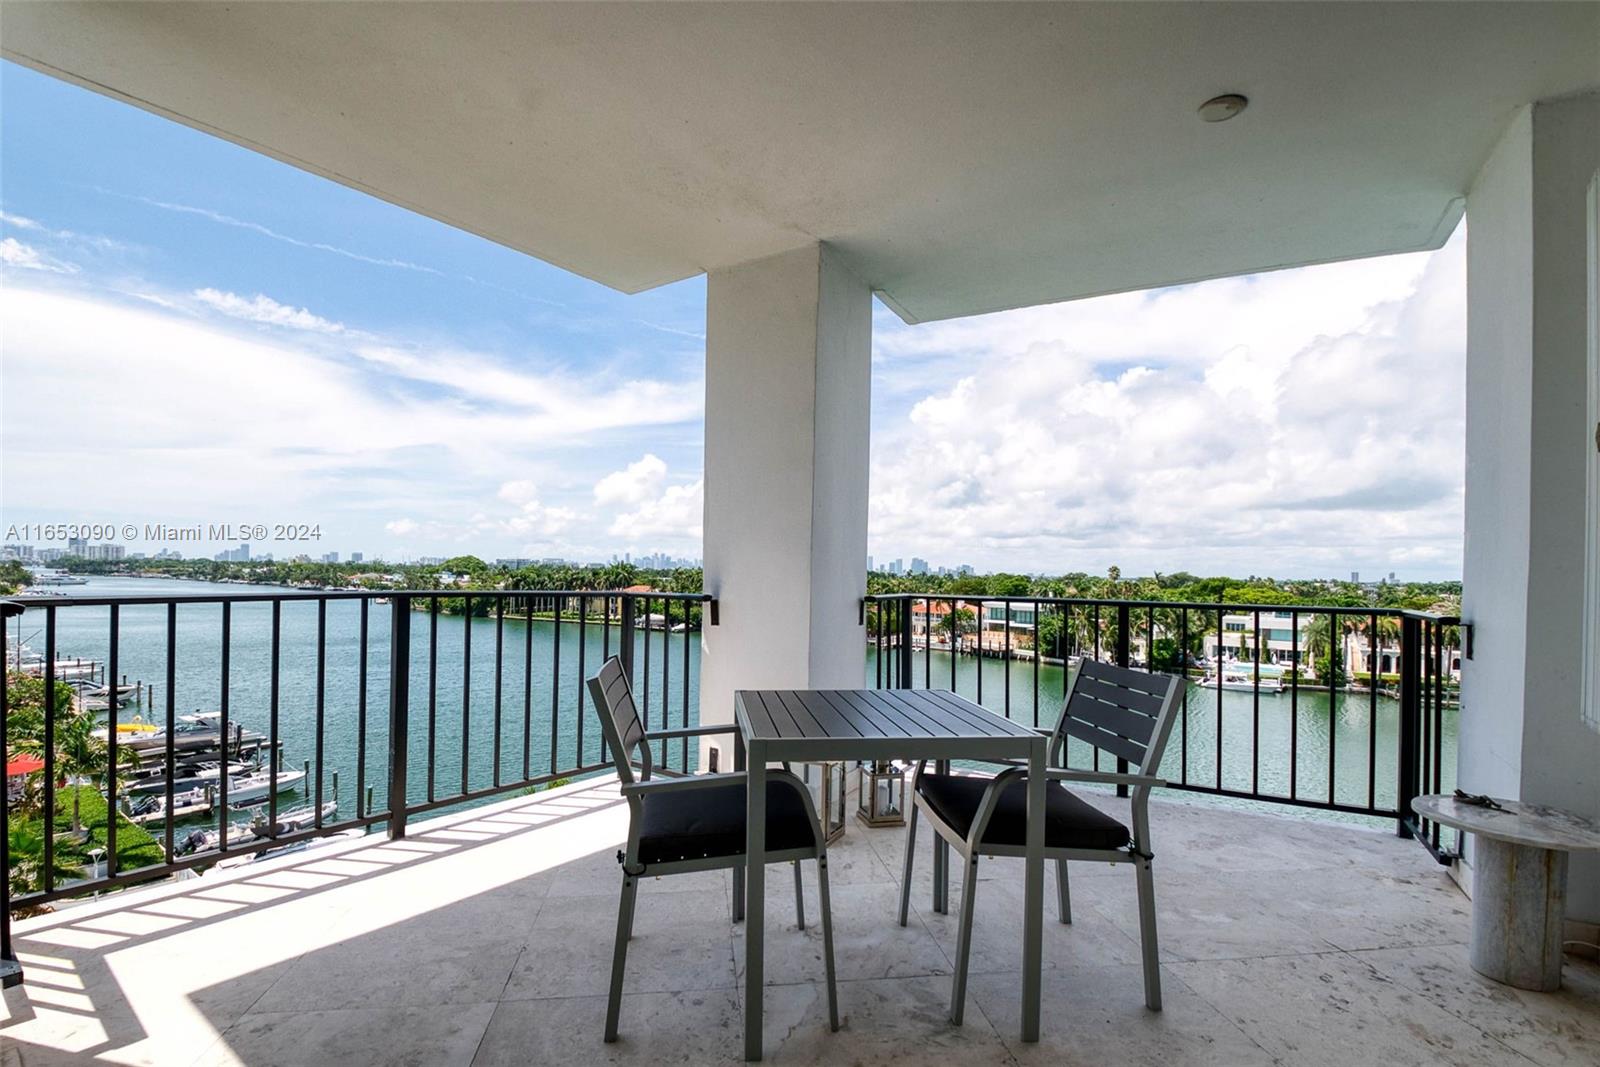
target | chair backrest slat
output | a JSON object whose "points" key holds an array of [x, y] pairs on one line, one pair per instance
{"points": [[1125, 712], [619, 719], [1113, 718]]}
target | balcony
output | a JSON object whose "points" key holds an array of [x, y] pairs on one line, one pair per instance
{"points": [[460, 915], [484, 938]]}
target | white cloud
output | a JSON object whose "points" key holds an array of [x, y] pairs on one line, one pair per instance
{"points": [[519, 493], [265, 310], [264, 426], [1307, 422], [13, 253], [533, 519], [19, 221], [675, 515], [632, 486]]}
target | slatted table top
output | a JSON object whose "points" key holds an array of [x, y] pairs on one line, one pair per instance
{"points": [[877, 723]]}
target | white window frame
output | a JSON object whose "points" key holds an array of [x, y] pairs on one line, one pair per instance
{"points": [[1591, 570]]}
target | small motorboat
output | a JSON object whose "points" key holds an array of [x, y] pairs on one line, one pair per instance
{"points": [[1247, 678]]}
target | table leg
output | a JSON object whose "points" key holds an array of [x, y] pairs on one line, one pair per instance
{"points": [[1033, 895], [941, 860], [755, 897], [738, 872], [1518, 904]]}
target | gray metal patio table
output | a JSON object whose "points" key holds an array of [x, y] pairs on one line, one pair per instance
{"points": [[865, 724]]}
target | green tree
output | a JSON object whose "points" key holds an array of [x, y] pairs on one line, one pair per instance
{"points": [[81, 755], [1325, 646], [959, 622], [13, 576], [25, 842]]}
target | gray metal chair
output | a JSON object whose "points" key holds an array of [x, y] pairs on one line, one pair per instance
{"points": [[697, 823], [1124, 712]]}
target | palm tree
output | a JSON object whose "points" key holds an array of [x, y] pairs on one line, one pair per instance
{"points": [[1325, 645], [80, 753], [25, 846]]}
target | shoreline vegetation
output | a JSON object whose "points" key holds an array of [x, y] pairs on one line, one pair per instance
{"points": [[464, 575]]}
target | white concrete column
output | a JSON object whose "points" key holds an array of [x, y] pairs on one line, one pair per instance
{"points": [[1529, 285], [788, 390]]}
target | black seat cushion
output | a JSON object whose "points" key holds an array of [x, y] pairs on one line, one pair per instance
{"points": [[1070, 822], [691, 824]]}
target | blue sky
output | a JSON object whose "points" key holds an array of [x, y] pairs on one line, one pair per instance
{"points": [[196, 333]]}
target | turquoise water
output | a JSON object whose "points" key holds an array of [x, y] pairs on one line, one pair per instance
{"points": [[1358, 724], [526, 696]]}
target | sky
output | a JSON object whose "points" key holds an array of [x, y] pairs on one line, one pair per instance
{"points": [[192, 333]]}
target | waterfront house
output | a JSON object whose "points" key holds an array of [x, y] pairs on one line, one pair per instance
{"points": [[1283, 637], [948, 160]]}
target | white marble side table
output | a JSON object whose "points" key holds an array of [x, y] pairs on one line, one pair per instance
{"points": [[1519, 883]]}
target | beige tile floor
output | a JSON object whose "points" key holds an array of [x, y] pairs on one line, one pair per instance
{"points": [[485, 938]]}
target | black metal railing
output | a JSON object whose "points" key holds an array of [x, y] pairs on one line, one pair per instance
{"points": [[289, 670], [1346, 709]]}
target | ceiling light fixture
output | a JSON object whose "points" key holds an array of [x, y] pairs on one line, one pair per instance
{"points": [[1222, 108]]}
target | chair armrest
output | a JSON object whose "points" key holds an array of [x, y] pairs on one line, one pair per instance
{"points": [[691, 731], [990, 799], [1104, 777], [692, 781]]}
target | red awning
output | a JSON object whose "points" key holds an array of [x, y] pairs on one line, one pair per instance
{"points": [[23, 765]]}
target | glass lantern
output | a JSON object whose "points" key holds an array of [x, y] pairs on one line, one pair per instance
{"points": [[826, 780], [882, 800]]}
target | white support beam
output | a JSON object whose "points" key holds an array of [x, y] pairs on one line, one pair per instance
{"points": [[788, 390], [1528, 513]]}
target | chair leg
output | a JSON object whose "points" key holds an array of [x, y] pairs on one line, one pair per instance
{"points": [[1063, 894], [911, 853], [969, 896], [619, 956], [1147, 935], [827, 940], [799, 898]]}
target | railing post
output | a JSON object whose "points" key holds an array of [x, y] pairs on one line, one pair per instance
{"points": [[1411, 653], [904, 658], [10, 969], [625, 639], [1124, 626], [399, 711]]}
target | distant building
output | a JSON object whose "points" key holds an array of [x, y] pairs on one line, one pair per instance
{"points": [[77, 546], [1279, 642], [103, 552], [229, 555], [330, 557], [430, 561], [17, 552], [357, 557], [1355, 577], [919, 566], [869, 564], [49, 555]]}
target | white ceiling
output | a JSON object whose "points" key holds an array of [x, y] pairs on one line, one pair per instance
{"points": [[965, 157]]}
